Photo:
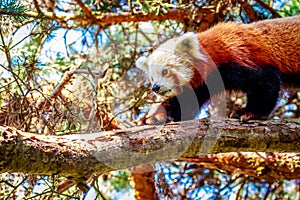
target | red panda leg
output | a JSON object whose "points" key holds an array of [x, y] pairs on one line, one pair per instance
{"points": [[243, 115], [262, 87]]}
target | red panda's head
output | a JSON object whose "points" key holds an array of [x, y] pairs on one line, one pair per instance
{"points": [[173, 65]]}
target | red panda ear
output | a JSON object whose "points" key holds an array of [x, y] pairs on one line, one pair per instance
{"points": [[141, 63], [188, 44]]}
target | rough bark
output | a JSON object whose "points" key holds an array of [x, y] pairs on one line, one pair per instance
{"points": [[81, 155]]}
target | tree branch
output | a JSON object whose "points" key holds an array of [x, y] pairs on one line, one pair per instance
{"points": [[249, 10], [262, 165], [83, 154], [108, 18], [85, 9]]}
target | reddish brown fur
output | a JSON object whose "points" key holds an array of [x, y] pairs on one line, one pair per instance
{"points": [[175, 77], [273, 42], [197, 78]]}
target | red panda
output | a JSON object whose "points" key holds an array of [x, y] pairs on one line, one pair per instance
{"points": [[253, 58]]}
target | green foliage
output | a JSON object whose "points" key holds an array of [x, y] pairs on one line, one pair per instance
{"points": [[120, 181], [15, 9], [291, 8], [12, 6]]}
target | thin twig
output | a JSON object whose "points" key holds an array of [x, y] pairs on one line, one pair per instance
{"points": [[65, 80], [274, 13]]}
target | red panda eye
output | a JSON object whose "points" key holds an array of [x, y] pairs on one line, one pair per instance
{"points": [[164, 72]]}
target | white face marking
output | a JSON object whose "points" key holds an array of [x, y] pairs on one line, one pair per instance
{"points": [[171, 65], [178, 72]]}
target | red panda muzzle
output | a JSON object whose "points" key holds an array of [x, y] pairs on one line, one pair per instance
{"points": [[155, 88]]}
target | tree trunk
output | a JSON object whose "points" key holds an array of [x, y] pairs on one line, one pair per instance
{"points": [[81, 155], [144, 182]]}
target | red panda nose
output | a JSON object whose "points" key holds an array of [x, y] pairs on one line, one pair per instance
{"points": [[156, 88]]}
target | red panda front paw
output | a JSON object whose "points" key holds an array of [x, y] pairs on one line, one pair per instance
{"points": [[241, 114], [156, 115], [245, 115], [151, 120]]}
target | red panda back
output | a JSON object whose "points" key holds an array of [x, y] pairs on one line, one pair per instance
{"points": [[283, 38], [273, 42]]}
